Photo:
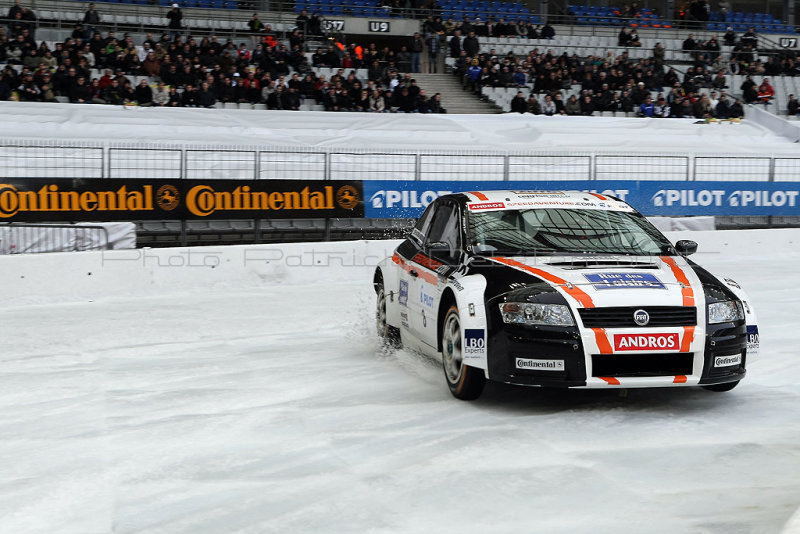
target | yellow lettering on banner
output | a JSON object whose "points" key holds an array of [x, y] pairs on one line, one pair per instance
{"points": [[260, 200], [48, 198], [88, 201], [202, 200], [317, 201], [68, 201], [28, 201], [292, 199], [106, 201], [275, 201]]}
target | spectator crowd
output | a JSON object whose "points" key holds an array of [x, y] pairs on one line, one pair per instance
{"points": [[203, 71], [567, 84], [180, 71]]}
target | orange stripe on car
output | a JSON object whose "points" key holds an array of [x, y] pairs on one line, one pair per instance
{"points": [[688, 337], [679, 379], [602, 340], [601, 197], [610, 379], [423, 275], [574, 292], [480, 196], [686, 291]]}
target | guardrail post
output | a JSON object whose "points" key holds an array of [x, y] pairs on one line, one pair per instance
{"points": [[184, 240]]}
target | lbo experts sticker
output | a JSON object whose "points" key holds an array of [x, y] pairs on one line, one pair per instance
{"points": [[752, 340], [474, 343]]}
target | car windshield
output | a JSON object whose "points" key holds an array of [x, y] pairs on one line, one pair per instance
{"points": [[560, 231]]}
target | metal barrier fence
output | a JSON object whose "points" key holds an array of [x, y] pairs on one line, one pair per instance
{"points": [[21, 238], [19, 159]]}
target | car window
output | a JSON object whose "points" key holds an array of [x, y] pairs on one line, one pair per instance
{"points": [[424, 222], [444, 227]]}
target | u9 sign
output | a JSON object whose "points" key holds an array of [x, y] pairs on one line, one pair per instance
{"points": [[379, 26]]}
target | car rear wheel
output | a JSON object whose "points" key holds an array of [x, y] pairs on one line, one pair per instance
{"points": [[390, 336], [465, 382], [727, 386]]}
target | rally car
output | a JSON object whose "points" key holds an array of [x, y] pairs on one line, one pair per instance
{"points": [[560, 289]]}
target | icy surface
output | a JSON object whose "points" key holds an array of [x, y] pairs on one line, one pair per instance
{"points": [[267, 406]]}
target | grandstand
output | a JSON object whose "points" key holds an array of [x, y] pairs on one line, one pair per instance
{"points": [[585, 35]]}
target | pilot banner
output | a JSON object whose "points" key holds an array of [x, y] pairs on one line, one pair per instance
{"points": [[394, 199], [40, 200]]}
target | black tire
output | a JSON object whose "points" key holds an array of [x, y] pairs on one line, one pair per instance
{"points": [[465, 382], [390, 335], [727, 386]]}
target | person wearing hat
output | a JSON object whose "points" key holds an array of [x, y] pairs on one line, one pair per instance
{"points": [[174, 16], [639, 94], [729, 37]]}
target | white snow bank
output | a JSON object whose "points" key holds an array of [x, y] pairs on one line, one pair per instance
{"points": [[91, 275]]}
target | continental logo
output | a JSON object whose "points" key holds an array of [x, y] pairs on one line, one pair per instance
{"points": [[49, 199], [347, 197], [168, 197], [203, 200]]}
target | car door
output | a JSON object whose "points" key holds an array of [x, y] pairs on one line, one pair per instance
{"points": [[441, 245], [408, 271]]}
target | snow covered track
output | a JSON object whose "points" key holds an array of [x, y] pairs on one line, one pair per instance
{"points": [[251, 396]]}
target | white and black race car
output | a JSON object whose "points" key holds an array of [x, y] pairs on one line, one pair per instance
{"points": [[560, 289]]}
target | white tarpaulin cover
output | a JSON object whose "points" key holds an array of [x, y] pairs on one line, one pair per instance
{"points": [[397, 131]]}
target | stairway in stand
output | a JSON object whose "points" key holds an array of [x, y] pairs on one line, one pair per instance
{"points": [[454, 98]]}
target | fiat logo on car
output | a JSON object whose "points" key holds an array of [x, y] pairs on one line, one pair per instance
{"points": [[641, 317]]}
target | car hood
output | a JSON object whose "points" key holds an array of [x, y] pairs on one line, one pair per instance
{"points": [[614, 280]]}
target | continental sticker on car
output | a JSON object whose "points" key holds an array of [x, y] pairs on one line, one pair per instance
{"points": [[623, 342], [728, 361], [540, 365]]}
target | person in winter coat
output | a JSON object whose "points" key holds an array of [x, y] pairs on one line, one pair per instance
{"points": [[647, 108], [518, 104], [160, 95], [549, 107], [144, 94], [174, 24], [765, 92], [572, 107]]}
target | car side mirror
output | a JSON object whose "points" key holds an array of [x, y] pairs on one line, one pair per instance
{"points": [[686, 247]]}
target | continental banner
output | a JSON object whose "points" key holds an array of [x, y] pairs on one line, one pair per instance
{"points": [[49, 200]]}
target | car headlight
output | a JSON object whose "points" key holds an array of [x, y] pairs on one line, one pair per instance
{"points": [[726, 311], [530, 313]]}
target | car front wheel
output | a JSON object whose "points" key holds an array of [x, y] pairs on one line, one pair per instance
{"points": [[465, 382], [390, 336]]}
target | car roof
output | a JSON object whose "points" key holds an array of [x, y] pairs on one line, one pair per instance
{"points": [[516, 199]]}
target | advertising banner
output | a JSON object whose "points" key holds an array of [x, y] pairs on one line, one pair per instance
{"points": [[395, 199], [50, 200]]}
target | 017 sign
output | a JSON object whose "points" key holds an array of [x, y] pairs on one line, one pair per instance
{"points": [[333, 25], [380, 26]]}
